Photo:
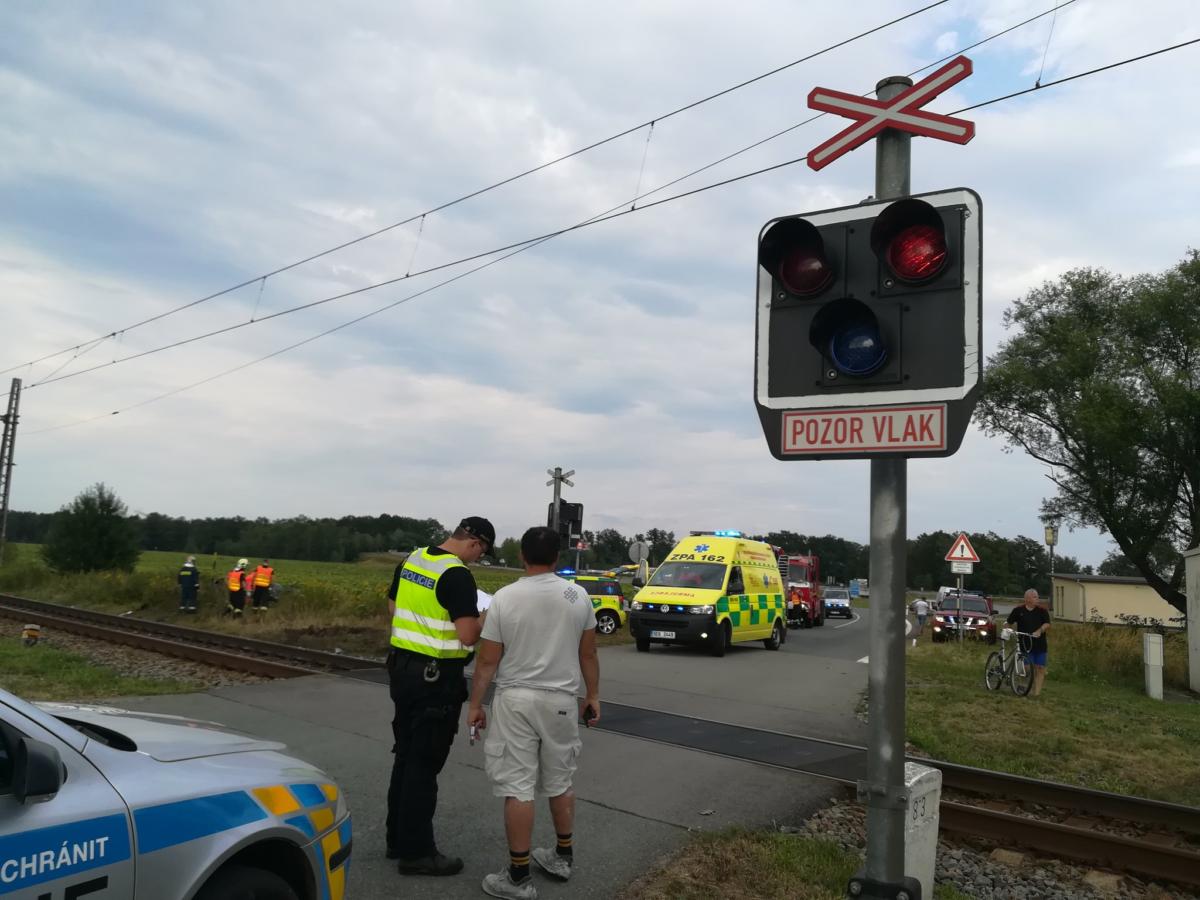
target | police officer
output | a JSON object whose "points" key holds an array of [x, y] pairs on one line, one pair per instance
{"points": [[435, 622]]}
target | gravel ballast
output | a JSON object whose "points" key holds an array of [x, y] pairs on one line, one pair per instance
{"points": [[976, 873]]}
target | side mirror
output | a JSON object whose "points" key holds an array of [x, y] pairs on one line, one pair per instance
{"points": [[638, 583], [37, 772]]}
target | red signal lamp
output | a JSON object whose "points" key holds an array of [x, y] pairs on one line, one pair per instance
{"points": [[909, 237], [804, 270], [794, 253], [917, 253]]}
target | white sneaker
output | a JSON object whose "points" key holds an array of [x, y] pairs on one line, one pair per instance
{"points": [[551, 863], [500, 884]]}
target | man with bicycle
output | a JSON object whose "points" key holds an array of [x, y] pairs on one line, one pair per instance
{"points": [[1032, 618]]}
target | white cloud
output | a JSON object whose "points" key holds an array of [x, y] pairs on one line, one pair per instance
{"points": [[152, 155]]}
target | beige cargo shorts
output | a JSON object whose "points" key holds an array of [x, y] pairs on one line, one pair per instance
{"points": [[533, 743]]}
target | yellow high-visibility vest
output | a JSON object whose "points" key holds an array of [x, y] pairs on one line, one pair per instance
{"points": [[421, 624]]}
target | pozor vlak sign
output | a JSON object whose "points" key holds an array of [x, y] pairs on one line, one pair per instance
{"points": [[869, 327]]}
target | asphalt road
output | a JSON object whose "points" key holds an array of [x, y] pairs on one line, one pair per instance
{"points": [[638, 799]]}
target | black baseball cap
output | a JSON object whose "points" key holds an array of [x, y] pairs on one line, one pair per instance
{"points": [[479, 527]]}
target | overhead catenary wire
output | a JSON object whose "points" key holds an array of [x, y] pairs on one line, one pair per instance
{"points": [[50, 379], [502, 249], [514, 249], [484, 190]]}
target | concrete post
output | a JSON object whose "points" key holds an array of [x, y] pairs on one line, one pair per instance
{"points": [[1191, 560], [921, 824], [1152, 654]]}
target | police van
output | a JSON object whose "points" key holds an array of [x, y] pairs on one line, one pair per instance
{"points": [[714, 589], [104, 804]]}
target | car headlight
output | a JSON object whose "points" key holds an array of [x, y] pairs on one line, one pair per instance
{"points": [[342, 810], [939, 618], [636, 604], [701, 610]]}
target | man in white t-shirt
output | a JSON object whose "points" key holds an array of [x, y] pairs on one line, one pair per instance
{"points": [[921, 608], [539, 644]]}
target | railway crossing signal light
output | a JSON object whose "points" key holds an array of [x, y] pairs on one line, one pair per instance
{"points": [[869, 328]]}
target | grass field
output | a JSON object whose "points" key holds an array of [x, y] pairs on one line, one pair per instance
{"points": [[1093, 725], [740, 864], [321, 605], [46, 673]]}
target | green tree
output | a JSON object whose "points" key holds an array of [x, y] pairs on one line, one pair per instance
{"points": [[661, 543], [93, 532], [611, 548], [1116, 564], [1100, 383], [509, 551]]}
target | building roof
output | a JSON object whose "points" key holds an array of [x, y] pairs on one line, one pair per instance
{"points": [[1102, 579]]}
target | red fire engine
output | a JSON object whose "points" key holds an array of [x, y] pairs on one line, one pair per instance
{"points": [[802, 589]]}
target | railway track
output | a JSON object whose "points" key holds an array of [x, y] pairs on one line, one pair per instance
{"points": [[1149, 838], [230, 651]]}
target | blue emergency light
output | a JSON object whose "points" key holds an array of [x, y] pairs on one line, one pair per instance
{"points": [[727, 534]]}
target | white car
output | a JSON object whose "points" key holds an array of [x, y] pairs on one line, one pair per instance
{"points": [[100, 802], [837, 602]]}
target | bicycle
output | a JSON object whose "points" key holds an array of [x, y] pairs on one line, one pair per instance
{"points": [[1015, 668]]}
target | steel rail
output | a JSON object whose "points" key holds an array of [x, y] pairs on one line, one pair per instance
{"points": [[325, 659], [1064, 796], [1066, 841], [210, 655]]}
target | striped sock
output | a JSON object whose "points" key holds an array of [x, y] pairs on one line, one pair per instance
{"points": [[565, 847], [518, 865]]}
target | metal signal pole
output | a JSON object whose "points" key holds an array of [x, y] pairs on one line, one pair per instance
{"points": [[558, 478], [884, 788], [7, 443]]}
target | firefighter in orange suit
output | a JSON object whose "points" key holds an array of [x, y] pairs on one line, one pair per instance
{"points": [[237, 590], [264, 575]]}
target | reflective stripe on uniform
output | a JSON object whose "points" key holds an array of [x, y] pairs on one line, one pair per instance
{"points": [[421, 624]]}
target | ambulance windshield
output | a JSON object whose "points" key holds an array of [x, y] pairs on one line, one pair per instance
{"points": [[702, 576]]}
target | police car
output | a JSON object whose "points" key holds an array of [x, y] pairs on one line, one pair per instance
{"points": [[102, 804]]}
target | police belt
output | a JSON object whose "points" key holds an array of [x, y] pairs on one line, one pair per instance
{"points": [[399, 654]]}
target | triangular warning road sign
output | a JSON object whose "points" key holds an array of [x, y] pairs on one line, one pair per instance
{"points": [[962, 551]]}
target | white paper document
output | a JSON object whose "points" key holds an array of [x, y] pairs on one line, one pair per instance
{"points": [[484, 599]]}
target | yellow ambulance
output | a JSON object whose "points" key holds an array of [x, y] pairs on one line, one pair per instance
{"points": [[714, 589]]}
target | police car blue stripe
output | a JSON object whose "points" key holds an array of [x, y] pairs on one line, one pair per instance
{"points": [[176, 823], [344, 831], [307, 794], [303, 824], [45, 854]]}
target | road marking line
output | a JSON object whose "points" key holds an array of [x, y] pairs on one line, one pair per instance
{"points": [[865, 659], [853, 619]]}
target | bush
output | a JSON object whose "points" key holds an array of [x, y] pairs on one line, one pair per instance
{"points": [[91, 534]]}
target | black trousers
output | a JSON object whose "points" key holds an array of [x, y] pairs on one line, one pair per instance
{"points": [[237, 599], [423, 727], [262, 596]]}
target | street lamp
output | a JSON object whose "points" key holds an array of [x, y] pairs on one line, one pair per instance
{"points": [[1051, 540]]}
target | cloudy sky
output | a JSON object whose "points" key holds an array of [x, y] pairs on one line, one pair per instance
{"points": [[154, 153]]}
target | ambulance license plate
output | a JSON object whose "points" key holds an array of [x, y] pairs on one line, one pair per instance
{"points": [[663, 634]]}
